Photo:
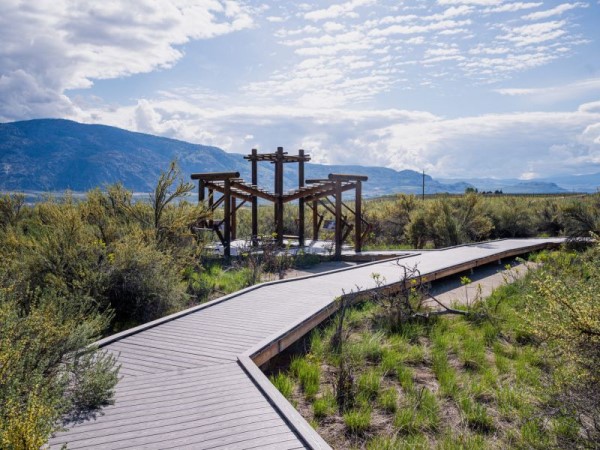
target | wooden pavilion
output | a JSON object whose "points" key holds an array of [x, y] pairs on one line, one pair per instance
{"points": [[316, 194]]}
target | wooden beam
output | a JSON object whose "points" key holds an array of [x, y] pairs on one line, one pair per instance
{"points": [[328, 193], [358, 217], [233, 219], [315, 217], [200, 191], [254, 180], [279, 195], [347, 177], [235, 191], [227, 219], [215, 176], [338, 219], [301, 200], [211, 203], [253, 191]]}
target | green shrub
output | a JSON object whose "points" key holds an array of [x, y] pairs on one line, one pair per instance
{"points": [[324, 406], [475, 414], [388, 400], [358, 420], [369, 383], [144, 283], [47, 369], [308, 374], [283, 383]]}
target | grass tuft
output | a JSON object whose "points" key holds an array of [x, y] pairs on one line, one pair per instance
{"points": [[308, 374], [358, 420], [284, 384], [388, 400]]}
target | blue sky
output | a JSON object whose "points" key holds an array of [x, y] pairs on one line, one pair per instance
{"points": [[459, 88]]}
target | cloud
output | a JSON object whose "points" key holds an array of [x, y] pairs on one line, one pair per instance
{"points": [[535, 33], [336, 11], [52, 46], [470, 2], [512, 7], [556, 11], [556, 93], [479, 145]]}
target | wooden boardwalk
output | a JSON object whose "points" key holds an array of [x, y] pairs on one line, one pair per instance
{"points": [[190, 380]]}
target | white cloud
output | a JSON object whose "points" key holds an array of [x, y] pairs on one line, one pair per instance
{"points": [[491, 144], [61, 44], [556, 11], [535, 33], [556, 93], [470, 2], [335, 11], [512, 7], [416, 29]]}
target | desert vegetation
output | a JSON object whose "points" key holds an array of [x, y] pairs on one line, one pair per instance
{"points": [[407, 221], [516, 370], [75, 269]]}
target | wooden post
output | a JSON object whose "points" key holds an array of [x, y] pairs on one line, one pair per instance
{"points": [[211, 203], [315, 209], [233, 218], [301, 200], [200, 191], [279, 194], [358, 218], [227, 220], [254, 163], [338, 219]]}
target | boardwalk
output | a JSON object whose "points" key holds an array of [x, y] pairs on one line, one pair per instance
{"points": [[190, 380]]}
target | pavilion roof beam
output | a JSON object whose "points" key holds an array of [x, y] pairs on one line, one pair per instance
{"points": [[215, 176]]}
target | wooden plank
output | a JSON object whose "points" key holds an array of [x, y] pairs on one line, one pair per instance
{"points": [[287, 411], [210, 405], [178, 345], [180, 432], [235, 383], [203, 336], [165, 355], [128, 424], [283, 441], [206, 341]]}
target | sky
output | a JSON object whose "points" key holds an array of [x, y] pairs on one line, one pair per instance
{"points": [[458, 88]]}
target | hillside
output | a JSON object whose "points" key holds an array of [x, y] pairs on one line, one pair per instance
{"points": [[56, 154]]}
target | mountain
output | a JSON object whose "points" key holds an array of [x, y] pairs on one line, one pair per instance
{"points": [[55, 154], [578, 183], [555, 185], [534, 187]]}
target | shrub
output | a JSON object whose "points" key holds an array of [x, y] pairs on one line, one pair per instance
{"points": [[324, 406], [388, 400], [283, 383], [46, 367], [369, 383], [308, 374], [358, 420], [144, 283]]}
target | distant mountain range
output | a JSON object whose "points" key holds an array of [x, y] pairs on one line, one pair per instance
{"points": [[55, 155]]}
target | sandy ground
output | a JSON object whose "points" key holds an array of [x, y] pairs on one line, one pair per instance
{"points": [[449, 290], [483, 281]]}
